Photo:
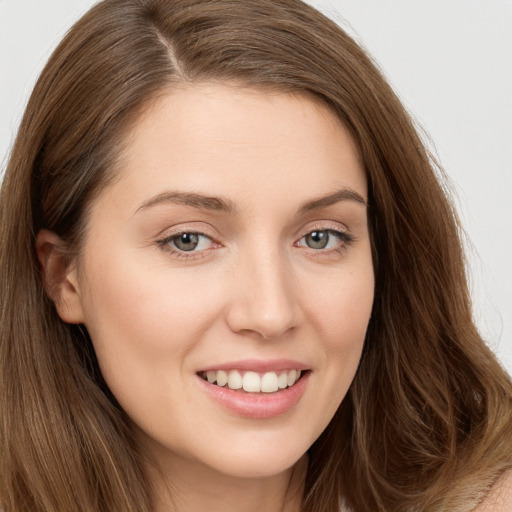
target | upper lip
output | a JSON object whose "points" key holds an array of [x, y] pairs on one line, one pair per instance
{"points": [[258, 365]]}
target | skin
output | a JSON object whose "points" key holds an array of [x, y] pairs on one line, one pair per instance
{"points": [[499, 498], [252, 289]]}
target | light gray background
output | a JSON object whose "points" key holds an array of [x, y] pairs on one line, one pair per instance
{"points": [[449, 60]]}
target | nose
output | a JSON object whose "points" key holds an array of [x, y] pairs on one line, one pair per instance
{"points": [[264, 298]]}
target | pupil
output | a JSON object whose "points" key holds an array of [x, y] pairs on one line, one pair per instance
{"points": [[187, 241], [317, 239]]}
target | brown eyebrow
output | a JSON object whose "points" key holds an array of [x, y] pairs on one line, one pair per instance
{"points": [[344, 194], [190, 199], [225, 205]]}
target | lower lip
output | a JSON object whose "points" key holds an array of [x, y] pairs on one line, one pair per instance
{"points": [[257, 405]]}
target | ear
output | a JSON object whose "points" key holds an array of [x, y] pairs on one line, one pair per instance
{"points": [[60, 278]]}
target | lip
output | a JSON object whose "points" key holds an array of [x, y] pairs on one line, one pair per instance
{"points": [[256, 405], [258, 365]]}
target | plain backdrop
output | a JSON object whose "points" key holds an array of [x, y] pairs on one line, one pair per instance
{"points": [[450, 61]]}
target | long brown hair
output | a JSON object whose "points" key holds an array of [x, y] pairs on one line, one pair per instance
{"points": [[427, 422]]}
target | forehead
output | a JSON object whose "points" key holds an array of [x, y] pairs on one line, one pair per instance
{"points": [[225, 140]]}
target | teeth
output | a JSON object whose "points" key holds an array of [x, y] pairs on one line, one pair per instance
{"points": [[282, 380], [234, 380], [222, 378], [269, 382], [253, 382]]}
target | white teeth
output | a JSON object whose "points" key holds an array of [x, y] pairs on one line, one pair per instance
{"points": [[222, 378], [292, 377], [282, 381], [234, 380], [252, 382], [269, 383]]}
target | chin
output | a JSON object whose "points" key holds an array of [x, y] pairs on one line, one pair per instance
{"points": [[252, 462]]}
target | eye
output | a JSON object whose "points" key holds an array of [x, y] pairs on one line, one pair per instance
{"points": [[325, 239], [187, 242]]}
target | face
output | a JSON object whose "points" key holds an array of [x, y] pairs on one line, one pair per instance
{"points": [[233, 247]]}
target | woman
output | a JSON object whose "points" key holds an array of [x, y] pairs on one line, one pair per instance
{"points": [[231, 279]]}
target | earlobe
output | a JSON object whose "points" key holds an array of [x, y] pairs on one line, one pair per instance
{"points": [[60, 279]]}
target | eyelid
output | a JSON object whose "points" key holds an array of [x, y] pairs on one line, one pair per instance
{"points": [[320, 225], [164, 240], [192, 227], [343, 234]]}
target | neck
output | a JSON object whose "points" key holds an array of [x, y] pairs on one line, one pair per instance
{"points": [[187, 487]]}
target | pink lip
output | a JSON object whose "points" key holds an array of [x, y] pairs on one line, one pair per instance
{"points": [[257, 405], [258, 365]]}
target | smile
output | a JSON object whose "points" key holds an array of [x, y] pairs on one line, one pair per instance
{"points": [[252, 382]]}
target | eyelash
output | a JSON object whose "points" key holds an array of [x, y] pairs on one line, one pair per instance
{"points": [[165, 244], [345, 240], [344, 237]]}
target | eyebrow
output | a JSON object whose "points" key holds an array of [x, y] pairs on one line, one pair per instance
{"points": [[343, 194], [219, 204], [190, 199]]}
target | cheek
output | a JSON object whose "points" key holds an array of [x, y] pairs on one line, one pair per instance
{"points": [[142, 317], [349, 320], [143, 300], [341, 315], [343, 305]]}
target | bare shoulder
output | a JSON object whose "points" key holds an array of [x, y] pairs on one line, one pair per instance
{"points": [[499, 498]]}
